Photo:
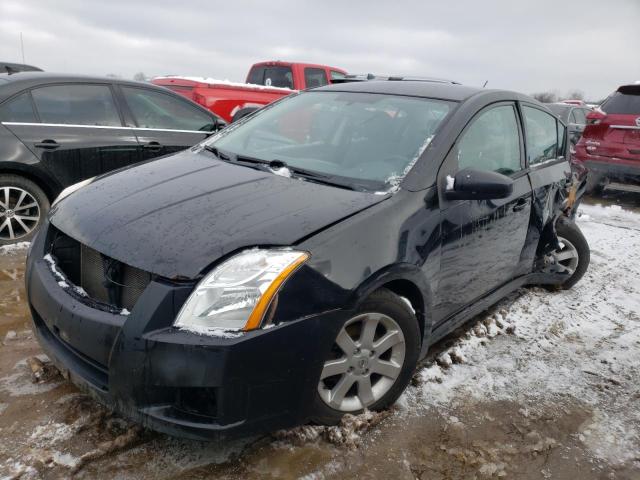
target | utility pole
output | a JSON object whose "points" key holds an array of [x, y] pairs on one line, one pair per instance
{"points": [[22, 47]]}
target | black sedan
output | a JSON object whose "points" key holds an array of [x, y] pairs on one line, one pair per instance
{"points": [[297, 265], [56, 130]]}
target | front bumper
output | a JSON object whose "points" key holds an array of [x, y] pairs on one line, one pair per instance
{"points": [[173, 381]]}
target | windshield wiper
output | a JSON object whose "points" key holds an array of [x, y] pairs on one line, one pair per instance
{"points": [[309, 175], [270, 165]]}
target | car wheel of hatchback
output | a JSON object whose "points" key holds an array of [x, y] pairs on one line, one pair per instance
{"points": [[572, 257], [23, 205], [372, 359]]}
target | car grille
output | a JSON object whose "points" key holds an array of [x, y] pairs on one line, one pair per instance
{"points": [[104, 279]]}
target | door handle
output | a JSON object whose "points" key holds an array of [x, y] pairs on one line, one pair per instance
{"points": [[47, 144], [153, 146], [520, 204]]}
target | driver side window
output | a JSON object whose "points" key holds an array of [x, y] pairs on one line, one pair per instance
{"points": [[492, 142]]}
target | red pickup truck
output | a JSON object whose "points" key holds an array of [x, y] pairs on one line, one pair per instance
{"points": [[266, 82]]}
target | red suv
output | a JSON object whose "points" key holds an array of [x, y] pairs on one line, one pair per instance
{"points": [[610, 144]]}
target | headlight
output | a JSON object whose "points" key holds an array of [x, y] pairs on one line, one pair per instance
{"points": [[72, 188], [236, 295]]}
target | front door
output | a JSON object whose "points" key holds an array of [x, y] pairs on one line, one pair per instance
{"points": [[77, 132], [482, 240], [165, 123]]}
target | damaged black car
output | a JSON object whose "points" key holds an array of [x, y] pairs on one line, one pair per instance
{"points": [[298, 265]]}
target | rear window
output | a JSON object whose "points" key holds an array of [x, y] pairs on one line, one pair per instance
{"points": [[622, 103], [19, 109], [277, 76]]}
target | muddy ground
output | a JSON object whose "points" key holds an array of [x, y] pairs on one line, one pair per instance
{"points": [[544, 385]]}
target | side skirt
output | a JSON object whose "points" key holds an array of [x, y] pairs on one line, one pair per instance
{"points": [[461, 317]]}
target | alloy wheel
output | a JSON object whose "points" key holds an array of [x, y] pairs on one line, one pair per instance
{"points": [[366, 359], [565, 259], [19, 213]]}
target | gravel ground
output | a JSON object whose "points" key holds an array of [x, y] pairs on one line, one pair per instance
{"points": [[543, 385]]}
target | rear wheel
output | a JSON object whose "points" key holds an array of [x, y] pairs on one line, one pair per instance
{"points": [[573, 256], [23, 206], [371, 361], [595, 183]]}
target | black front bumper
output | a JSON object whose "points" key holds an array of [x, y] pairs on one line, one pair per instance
{"points": [[173, 381]]}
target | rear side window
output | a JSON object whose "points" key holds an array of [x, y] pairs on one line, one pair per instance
{"points": [[315, 77], [542, 135], [622, 103], [158, 110], [76, 105], [271, 76], [337, 75], [19, 109], [256, 76], [492, 142]]}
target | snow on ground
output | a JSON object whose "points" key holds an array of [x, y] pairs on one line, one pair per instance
{"points": [[16, 247], [582, 343]]}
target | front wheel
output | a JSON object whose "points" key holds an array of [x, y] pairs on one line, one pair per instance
{"points": [[23, 206], [573, 256], [371, 361]]}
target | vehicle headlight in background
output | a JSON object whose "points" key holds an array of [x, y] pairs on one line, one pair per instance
{"points": [[71, 189], [236, 295]]}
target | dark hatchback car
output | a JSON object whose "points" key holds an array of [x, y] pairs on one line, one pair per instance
{"points": [[56, 130], [297, 265]]}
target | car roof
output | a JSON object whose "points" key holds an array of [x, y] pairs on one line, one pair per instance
{"points": [[16, 82], [445, 91]]}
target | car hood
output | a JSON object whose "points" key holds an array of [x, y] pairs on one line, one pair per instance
{"points": [[176, 215]]}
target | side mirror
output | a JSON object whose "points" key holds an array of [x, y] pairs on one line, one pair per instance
{"points": [[469, 184], [575, 127], [220, 124]]}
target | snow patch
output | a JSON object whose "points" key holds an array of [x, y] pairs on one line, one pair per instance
{"points": [[14, 248], [211, 331], [577, 343], [226, 83], [283, 172], [451, 182]]}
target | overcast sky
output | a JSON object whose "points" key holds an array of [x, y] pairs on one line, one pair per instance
{"points": [[528, 46]]}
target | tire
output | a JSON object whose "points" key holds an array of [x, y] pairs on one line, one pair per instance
{"points": [[568, 232], [395, 321], [23, 207], [595, 183]]}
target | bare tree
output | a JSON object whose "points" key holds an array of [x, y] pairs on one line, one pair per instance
{"points": [[575, 94], [140, 77], [545, 97]]}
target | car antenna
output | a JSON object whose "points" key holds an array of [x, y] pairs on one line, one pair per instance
{"points": [[485, 83]]}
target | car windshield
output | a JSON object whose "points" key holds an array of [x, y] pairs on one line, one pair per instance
{"points": [[367, 140]]}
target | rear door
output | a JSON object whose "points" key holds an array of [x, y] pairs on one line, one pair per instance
{"points": [[165, 123], [78, 130], [483, 240]]}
